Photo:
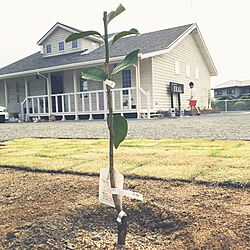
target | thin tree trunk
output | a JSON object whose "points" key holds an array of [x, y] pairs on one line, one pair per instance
{"points": [[122, 227]]}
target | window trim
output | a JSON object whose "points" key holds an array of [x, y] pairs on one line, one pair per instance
{"points": [[74, 44], [83, 88], [59, 46], [94, 46], [48, 48], [230, 91], [218, 92], [125, 92]]}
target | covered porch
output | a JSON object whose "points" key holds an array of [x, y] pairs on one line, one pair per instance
{"points": [[65, 95]]}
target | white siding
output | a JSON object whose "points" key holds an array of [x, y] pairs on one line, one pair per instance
{"points": [[36, 86], [2, 98], [13, 104], [187, 53], [59, 35], [146, 81]]}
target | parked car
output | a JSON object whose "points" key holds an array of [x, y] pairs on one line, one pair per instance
{"points": [[4, 114]]}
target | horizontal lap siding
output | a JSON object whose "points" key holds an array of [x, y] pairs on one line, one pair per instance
{"points": [[13, 105], [118, 80], [59, 35], [37, 87], [2, 93], [146, 81], [186, 52]]}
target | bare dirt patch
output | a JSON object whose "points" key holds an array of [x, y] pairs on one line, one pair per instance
{"points": [[61, 211]]}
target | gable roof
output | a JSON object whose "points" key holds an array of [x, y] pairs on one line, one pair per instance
{"points": [[65, 27], [150, 44], [233, 84]]}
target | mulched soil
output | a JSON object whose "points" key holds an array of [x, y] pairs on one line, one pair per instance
{"points": [[62, 211]]}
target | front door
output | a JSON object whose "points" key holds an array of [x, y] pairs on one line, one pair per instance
{"points": [[57, 88]]}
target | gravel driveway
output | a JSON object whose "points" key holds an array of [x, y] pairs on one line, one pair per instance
{"points": [[213, 126]]}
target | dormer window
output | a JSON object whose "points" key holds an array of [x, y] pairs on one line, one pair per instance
{"points": [[61, 46], [94, 46], [74, 44], [48, 48]]}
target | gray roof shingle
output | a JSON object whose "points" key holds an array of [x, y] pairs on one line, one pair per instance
{"points": [[233, 83], [148, 42]]}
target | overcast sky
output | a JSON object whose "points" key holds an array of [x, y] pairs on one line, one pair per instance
{"points": [[224, 25]]}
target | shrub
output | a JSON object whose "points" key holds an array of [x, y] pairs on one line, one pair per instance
{"points": [[240, 105]]}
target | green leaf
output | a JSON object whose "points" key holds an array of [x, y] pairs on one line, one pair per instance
{"points": [[82, 34], [125, 33], [115, 13], [120, 129], [128, 61], [94, 74]]}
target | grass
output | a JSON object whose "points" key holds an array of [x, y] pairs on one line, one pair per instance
{"points": [[185, 159]]}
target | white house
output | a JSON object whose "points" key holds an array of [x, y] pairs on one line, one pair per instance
{"points": [[48, 82]]}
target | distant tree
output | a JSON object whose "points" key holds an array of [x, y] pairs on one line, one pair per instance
{"points": [[117, 124]]}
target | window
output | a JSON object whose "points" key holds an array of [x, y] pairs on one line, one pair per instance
{"points": [[126, 80], [48, 48], [245, 90], [218, 92], [177, 67], [83, 85], [197, 73], [230, 91], [74, 44], [61, 46], [187, 70], [94, 46]]}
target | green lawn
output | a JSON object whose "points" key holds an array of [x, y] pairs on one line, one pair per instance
{"points": [[189, 159]]}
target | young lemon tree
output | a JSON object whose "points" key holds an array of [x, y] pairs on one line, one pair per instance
{"points": [[117, 124]]}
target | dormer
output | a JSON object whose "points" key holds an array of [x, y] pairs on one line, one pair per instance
{"points": [[53, 42]]}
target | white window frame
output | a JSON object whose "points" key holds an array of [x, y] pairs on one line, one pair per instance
{"points": [[129, 72], [197, 75], [74, 44], [63, 46], [48, 49], [94, 45], [187, 70], [177, 67], [83, 85]]}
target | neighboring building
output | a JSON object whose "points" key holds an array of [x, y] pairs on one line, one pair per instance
{"points": [[48, 82], [233, 88]]}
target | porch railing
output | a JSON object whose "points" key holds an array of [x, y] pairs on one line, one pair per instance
{"points": [[83, 103]]}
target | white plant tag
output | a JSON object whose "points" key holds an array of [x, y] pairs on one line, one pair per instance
{"points": [[128, 193], [110, 83], [105, 194]]}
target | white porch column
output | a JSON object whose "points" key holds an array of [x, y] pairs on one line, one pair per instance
{"points": [[75, 80], [26, 97], [6, 93], [105, 104], [138, 86], [49, 94]]}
